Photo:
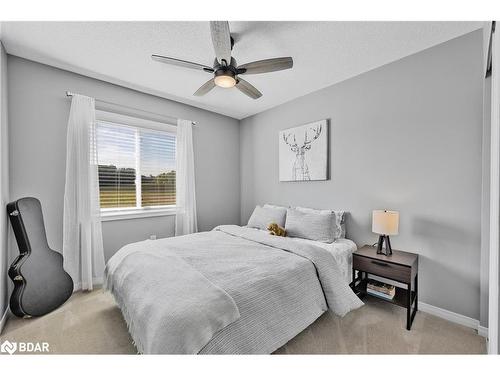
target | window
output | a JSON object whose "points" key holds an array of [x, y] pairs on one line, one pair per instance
{"points": [[136, 165]]}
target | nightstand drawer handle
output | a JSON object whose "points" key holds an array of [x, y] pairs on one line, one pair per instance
{"points": [[380, 263]]}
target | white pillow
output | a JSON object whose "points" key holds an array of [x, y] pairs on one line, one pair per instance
{"points": [[267, 205], [338, 224], [263, 216], [310, 225]]}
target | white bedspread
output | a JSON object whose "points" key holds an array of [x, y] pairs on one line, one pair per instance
{"points": [[341, 249], [168, 305], [278, 285]]}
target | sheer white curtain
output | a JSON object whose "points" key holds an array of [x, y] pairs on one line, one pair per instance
{"points": [[185, 218], [82, 234]]}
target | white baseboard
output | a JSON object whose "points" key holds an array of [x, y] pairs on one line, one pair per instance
{"points": [[482, 331], [453, 317], [4, 319]]}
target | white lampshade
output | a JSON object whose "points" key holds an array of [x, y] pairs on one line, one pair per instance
{"points": [[385, 222]]}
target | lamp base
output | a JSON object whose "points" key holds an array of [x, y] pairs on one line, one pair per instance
{"points": [[388, 248]]}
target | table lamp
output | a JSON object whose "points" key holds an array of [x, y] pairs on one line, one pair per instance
{"points": [[385, 223]]}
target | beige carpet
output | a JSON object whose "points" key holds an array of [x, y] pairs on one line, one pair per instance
{"points": [[91, 323]]}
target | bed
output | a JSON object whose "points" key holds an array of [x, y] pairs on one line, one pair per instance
{"points": [[232, 290]]}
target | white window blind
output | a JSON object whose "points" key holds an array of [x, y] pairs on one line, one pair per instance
{"points": [[136, 167]]}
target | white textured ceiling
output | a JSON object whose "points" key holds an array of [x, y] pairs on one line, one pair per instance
{"points": [[324, 53]]}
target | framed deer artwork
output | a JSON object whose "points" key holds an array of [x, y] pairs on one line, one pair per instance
{"points": [[303, 152]]}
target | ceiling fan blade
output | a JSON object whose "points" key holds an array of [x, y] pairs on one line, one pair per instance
{"points": [[266, 66], [221, 39], [182, 63], [248, 89], [205, 88]]}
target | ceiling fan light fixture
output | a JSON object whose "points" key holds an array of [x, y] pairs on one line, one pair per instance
{"points": [[225, 81]]}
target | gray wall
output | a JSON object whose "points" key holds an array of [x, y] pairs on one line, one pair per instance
{"points": [[406, 136], [38, 115], [119, 233], [4, 182]]}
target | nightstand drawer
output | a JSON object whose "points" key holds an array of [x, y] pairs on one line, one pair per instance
{"points": [[382, 268]]}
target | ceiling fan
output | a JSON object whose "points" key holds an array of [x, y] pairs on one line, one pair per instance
{"points": [[225, 70]]}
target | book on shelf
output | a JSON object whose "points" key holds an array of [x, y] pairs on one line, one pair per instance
{"points": [[380, 289], [379, 294]]}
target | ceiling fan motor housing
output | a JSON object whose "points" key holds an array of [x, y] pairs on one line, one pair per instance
{"points": [[225, 75], [226, 71]]}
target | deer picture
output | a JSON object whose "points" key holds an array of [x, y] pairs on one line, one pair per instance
{"points": [[300, 169]]}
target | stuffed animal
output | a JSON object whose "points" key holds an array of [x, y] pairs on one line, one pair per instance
{"points": [[275, 230]]}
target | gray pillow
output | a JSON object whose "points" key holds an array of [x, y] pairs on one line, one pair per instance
{"points": [[268, 205], [263, 216], [310, 225], [338, 222]]}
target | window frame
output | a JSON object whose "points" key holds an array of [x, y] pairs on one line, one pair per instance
{"points": [[123, 213]]}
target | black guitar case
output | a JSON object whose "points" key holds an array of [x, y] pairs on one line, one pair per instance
{"points": [[40, 283]]}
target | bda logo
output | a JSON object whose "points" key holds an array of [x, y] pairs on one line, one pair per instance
{"points": [[24, 347], [8, 347]]}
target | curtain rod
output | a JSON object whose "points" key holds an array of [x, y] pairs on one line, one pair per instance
{"points": [[70, 94]]}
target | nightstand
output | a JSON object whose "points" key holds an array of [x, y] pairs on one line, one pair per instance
{"points": [[401, 266]]}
